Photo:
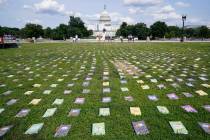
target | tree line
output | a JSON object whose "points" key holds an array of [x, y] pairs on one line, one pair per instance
{"points": [[161, 30], [76, 26]]}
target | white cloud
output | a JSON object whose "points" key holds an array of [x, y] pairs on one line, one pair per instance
{"points": [[2, 1], [166, 9], [182, 4], [27, 6], [135, 10], [34, 21], [143, 2], [166, 13], [50, 7]]}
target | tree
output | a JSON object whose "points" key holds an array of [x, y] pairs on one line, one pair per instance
{"points": [[173, 31], [141, 31], [77, 27], [48, 33], [9, 31], [122, 31], [190, 32], [32, 30], [203, 32], [158, 29], [62, 30]]}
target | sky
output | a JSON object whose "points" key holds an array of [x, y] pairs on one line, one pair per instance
{"points": [[51, 13]]}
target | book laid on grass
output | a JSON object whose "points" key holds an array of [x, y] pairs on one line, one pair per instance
{"points": [[104, 112], [23, 113], [62, 131], [205, 127], [86, 91], [11, 102], [4, 130], [1, 110], [67, 92], [74, 112], [172, 96], [105, 84], [35, 101], [58, 101], [86, 84], [201, 93], [163, 109], [178, 127], [124, 89], [140, 128], [106, 90], [206, 85], [153, 97], [50, 112], [7, 93], [207, 107], [47, 92], [128, 98], [189, 108], [145, 87], [34, 129], [106, 99], [188, 95], [28, 92], [135, 111], [79, 101], [98, 129]]}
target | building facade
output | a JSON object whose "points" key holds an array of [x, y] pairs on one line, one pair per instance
{"points": [[104, 27]]}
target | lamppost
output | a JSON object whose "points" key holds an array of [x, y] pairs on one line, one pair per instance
{"points": [[184, 18]]}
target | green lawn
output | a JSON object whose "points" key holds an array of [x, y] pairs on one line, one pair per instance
{"points": [[45, 64]]}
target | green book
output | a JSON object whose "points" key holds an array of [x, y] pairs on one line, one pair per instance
{"points": [[178, 127], [98, 129], [34, 129], [50, 112], [104, 112], [163, 109]]}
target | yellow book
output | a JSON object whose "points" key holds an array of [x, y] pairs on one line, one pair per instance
{"points": [[135, 111], [201, 93]]}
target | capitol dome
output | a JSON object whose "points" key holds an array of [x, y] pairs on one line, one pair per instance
{"points": [[105, 16]]}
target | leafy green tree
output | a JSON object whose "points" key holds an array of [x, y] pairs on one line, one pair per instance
{"points": [[190, 32], [203, 32], [10, 31], [141, 31], [173, 31], [32, 30], [77, 27], [122, 31], [48, 33], [158, 29]]}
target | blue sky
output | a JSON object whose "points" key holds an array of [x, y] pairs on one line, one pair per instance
{"points": [[16, 13]]}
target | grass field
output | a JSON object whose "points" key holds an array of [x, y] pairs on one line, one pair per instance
{"points": [[64, 64]]}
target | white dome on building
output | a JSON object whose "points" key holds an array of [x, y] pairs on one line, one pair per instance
{"points": [[104, 27], [105, 16]]}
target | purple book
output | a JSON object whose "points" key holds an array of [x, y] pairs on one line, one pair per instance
{"points": [[140, 128], [172, 96], [205, 127], [207, 107], [129, 98], [153, 97], [62, 130], [188, 95], [189, 108], [74, 112], [4, 130], [23, 113]]}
